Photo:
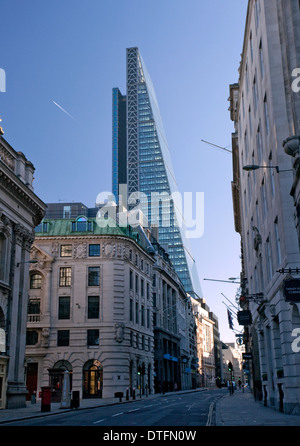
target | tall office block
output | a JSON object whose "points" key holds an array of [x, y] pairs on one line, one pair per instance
{"points": [[119, 152], [149, 167]]}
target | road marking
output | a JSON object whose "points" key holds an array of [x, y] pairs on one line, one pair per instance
{"points": [[209, 418], [99, 421], [117, 414], [133, 410], [189, 407]]}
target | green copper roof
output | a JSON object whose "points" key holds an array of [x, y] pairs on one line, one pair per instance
{"points": [[83, 226], [67, 227]]}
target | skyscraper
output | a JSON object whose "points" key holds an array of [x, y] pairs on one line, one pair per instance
{"points": [[149, 168]]}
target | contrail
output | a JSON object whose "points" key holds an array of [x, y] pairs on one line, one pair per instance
{"points": [[65, 111]]}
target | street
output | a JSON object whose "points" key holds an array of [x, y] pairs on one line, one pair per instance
{"points": [[192, 409]]}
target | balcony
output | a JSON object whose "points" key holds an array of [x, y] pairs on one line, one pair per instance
{"points": [[34, 318]]}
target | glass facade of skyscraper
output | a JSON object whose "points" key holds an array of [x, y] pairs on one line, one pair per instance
{"points": [[150, 171]]}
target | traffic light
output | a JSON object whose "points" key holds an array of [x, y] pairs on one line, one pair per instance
{"points": [[230, 367]]}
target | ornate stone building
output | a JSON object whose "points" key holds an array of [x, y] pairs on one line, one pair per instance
{"points": [[97, 298], [264, 107], [20, 211], [90, 309]]}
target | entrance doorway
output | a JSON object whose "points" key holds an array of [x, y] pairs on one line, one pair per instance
{"points": [[31, 379], [92, 379], [56, 378]]}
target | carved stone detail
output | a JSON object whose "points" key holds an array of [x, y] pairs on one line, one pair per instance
{"points": [[80, 250], [119, 331]]}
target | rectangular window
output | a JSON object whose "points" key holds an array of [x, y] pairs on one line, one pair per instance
{"points": [[255, 95], [93, 337], [63, 338], [34, 307], [266, 111], [264, 199], [65, 250], [131, 310], [261, 57], [277, 240], [154, 299], [257, 13], [136, 283], [259, 144], [130, 279], [67, 212], [257, 215], [271, 173], [136, 312], [143, 315], [269, 258], [64, 307], [32, 337], [65, 276], [142, 287], [93, 307], [94, 276], [154, 280], [94, 250]]}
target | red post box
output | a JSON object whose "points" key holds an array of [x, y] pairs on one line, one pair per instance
{"points": [[46, 399]]}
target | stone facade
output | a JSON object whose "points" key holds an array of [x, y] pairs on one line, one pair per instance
{"points": [[93, 293], [265, 111], [20, 211]]}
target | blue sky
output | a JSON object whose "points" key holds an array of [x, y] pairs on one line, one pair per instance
{"points": [[73, 53]]}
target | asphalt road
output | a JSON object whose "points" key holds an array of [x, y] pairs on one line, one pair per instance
{"points": [[191, 409]]}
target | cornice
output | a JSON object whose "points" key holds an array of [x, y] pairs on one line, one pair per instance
{"points": [[112, 237], [20, 192]]}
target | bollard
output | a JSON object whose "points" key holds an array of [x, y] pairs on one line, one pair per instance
{"points": [[133, 393], [75, 399], [119, 395], [127, 394]]}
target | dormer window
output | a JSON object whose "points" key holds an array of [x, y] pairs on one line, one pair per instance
{"points": [[82, 224]]}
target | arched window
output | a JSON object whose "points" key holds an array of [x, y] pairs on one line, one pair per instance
{"points": [[92, 379], [35, 281]]}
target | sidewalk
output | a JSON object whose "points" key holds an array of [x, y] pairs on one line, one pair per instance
{"points": [[241, 409], [34, 410]]}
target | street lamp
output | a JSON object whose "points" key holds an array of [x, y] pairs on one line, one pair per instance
{"points": [[230, 280], [29, 261], [251, 167]]}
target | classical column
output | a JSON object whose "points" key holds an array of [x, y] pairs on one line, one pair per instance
{"points": [[16, 388]]}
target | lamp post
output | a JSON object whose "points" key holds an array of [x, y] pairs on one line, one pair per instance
{"points": [[230, 280], [29, 261], [250, 167]]}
